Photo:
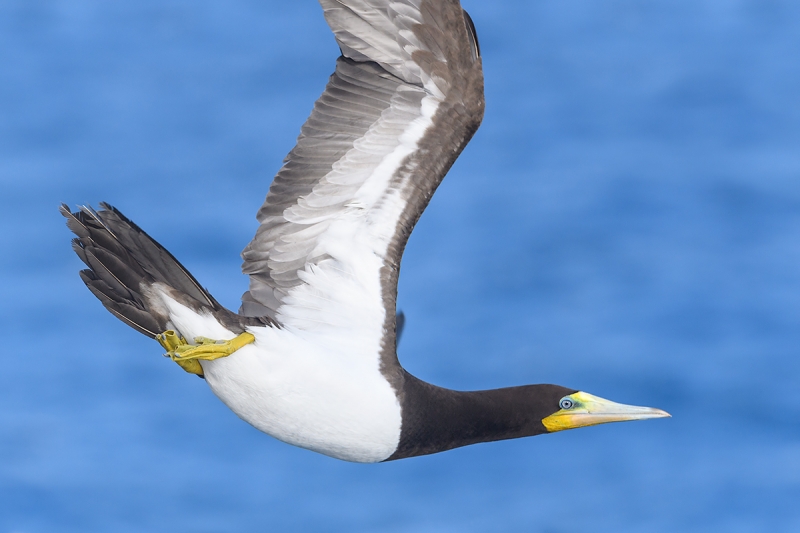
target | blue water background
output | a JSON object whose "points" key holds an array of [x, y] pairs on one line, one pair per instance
{"points": [[625, 222]]}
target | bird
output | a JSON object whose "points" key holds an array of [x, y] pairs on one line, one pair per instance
{"points": [[310, 358]]}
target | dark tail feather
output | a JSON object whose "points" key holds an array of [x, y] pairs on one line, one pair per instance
{"points": [[122, 261]]}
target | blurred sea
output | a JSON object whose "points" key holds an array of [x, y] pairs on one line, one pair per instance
{"points": [[625, 222]]}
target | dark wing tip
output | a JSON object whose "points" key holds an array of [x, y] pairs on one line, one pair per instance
{"points": [[473, 36]]}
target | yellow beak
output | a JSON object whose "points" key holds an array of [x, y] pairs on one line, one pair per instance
{"points": [[588, 410]]}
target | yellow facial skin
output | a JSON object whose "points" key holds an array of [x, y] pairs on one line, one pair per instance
{"points": [[588, 410]]}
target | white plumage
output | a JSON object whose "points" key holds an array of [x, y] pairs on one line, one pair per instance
{"points": [[322, 372]]}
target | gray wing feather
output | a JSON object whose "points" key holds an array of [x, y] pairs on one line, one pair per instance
{"points": [[321, 175], [394, 54]]}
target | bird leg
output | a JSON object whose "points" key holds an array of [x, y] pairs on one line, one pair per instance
{"points": [[188, 356]]}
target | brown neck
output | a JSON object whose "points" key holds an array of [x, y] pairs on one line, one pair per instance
{"points": [[437, 419]]}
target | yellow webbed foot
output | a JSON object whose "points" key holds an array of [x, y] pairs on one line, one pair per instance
{"points": [[188, 356]]}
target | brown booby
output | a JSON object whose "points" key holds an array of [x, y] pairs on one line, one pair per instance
{"points": [[310, 358]]}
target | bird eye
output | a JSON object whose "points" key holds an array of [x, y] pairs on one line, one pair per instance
{"points": [[566, 403]]}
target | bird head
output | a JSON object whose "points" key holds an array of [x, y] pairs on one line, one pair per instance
{"points": [[580, 409]]}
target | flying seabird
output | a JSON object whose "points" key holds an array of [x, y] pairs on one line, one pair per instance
{"points": [[310, 358]]}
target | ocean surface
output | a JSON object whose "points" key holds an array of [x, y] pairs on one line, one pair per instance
{"points": [[625, 222]]}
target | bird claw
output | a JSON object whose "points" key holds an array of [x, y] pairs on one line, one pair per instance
{"points": [[188, 356]]}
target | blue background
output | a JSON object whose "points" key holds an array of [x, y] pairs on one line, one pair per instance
{"points": [[625, 222]]}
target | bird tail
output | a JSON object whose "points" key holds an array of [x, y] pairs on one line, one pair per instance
{"points": [[124, 262]]}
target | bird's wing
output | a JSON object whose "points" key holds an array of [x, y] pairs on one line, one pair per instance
{"points": [[406, 97]]}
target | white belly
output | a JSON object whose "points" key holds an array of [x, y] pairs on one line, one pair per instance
{"points": [[299, 392]]}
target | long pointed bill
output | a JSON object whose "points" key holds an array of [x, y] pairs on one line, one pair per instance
{"points": [[588, 410]]}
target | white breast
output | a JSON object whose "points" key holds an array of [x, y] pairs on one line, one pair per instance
{"points": [[301, 394]]}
